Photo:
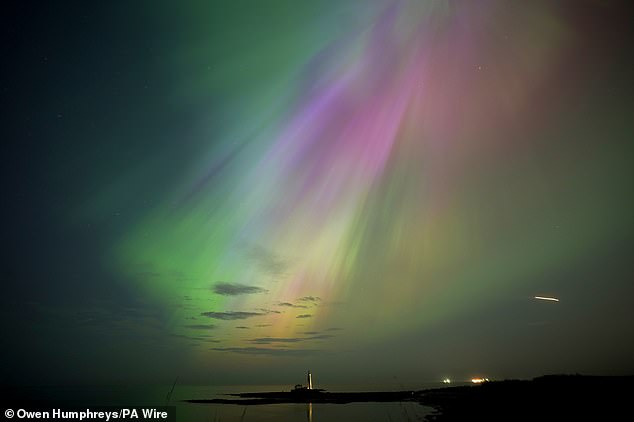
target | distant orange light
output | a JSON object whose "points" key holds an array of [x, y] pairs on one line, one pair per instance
{"points": [[479, 380]]}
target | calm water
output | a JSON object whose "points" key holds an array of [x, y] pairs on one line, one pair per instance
{"points": [[156, 395], [296, 412]]}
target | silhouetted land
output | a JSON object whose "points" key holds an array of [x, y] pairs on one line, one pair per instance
{"points": [[312, 396], [553, 397]]}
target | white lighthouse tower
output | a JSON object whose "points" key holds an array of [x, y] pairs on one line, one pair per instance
{"points": [[310, 381]]}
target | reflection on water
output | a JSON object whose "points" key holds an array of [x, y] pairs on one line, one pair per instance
{"points": [[293, 412], [300, 412]]}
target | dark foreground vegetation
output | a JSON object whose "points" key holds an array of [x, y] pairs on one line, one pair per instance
{"points": [[554, 397]]}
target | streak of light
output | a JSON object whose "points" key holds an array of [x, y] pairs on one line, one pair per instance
{"points": [[552, 299]]}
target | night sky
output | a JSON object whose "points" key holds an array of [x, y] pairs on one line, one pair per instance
{"points": [[238, 191]]}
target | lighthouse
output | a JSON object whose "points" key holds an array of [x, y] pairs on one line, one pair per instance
{"points": [[309, 377]]}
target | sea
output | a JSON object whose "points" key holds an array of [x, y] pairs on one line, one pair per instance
{"points": [[151, 396]]}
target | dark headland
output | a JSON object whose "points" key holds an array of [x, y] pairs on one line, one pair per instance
{"points": [[311, 396], [553, 397]]}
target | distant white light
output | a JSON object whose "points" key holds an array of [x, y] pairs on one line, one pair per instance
{"points": [[552, 299], [446, 381]]}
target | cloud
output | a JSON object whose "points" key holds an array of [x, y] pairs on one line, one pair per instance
{"points": [[271, 340], [290, 305], [206, 339], [267, 351], [304, 316], [320, 337], [310, 299], [197, 339], [201, 326], [242, 327], [226, 316], [266, 260], [334, 329], [263, 325], [235, 289], [275, 340]]}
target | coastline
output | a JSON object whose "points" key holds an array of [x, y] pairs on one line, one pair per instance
{"points": [[544, 398], [279, 397]]}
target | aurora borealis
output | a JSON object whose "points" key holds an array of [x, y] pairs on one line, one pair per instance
{"points": [[235, 189]]}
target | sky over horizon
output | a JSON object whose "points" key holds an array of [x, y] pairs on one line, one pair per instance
{"points": [[239, 191]]}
